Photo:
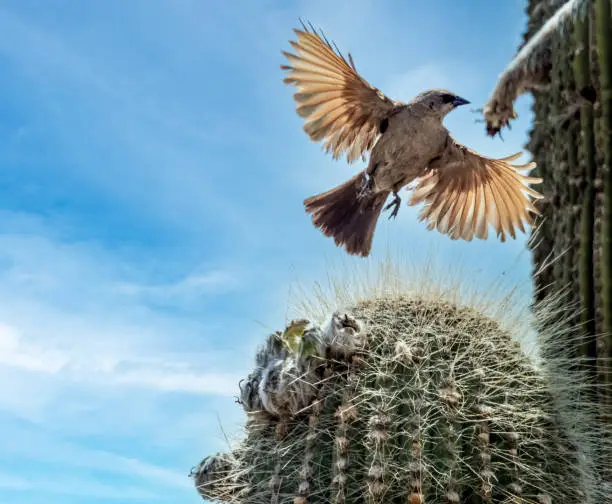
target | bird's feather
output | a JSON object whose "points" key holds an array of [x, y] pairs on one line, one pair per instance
{"points": [[337, 104], [465, 192], [346, 215]]}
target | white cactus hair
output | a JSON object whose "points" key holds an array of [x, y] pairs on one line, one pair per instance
{"points": [[574, 392], [544, 329], [430, 280], [530, 69], [285, 384]]}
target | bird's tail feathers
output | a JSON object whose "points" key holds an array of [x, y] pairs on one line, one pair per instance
{"points": [[348, 214]]}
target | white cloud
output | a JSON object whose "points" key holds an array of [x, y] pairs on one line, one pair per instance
{"points": [[81, 359], [15, 353], [110, 369]]}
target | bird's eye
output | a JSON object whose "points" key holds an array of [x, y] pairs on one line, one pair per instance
{"points": [[447, 98]]}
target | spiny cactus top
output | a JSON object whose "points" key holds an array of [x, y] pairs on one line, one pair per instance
{"points": [[399, 400]]}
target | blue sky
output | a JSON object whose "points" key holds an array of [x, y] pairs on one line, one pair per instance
{"points": [[151, 219]]}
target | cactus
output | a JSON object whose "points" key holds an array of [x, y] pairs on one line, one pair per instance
{"points": [[568, 129], [603, 15], [604, 49], [530, 70], [585, 194], [582, 73], [409, 396]]}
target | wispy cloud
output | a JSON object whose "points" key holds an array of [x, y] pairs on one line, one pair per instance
{"points": [[195, 284], [111, 369], [83, 356], [15, 353]]}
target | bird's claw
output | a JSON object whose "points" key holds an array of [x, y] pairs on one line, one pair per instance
{"points": [[396, 204], [366, 187]]}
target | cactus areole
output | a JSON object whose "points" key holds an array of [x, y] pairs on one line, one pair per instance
{"points": [[397, 400]]}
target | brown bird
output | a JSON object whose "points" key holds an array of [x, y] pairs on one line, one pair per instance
{"points": [[463, 191]]}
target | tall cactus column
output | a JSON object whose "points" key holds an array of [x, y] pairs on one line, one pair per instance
{"points": [[540, 68], [588, 190], [604, 46], [556, 160], [540, 137], [582, 73], [568, 129]]}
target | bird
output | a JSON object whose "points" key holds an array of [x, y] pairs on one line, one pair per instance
{"points": [[462, 191]]}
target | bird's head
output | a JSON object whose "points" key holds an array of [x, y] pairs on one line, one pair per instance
{"points": [[440, 101]]}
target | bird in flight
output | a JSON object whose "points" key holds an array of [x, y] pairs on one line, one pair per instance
{"points": [[463, 192]]}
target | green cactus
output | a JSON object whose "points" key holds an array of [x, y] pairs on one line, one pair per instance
{"points": [[582, 190], [582, 73], [569, 130], [541, 137], [603, 21], [604, 48], [411, 398]]}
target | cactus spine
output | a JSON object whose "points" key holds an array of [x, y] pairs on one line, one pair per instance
{"points": [[409, 398]]}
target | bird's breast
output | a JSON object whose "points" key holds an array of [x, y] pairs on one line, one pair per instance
{"points": [[403, 152]]}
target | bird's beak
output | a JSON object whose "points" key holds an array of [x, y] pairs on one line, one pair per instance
{"points": [[458, 101]]}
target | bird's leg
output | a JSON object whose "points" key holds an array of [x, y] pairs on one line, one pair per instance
{"points": [[394, 203], [366, 188], [368, 185]]}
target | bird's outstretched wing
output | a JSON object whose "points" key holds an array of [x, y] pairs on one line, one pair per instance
{"points": [[337, 104], [464, 192]]}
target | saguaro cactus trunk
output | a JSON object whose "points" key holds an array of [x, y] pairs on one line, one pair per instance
{"points": [[604, 49], [582, 72], [586, 193]]}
